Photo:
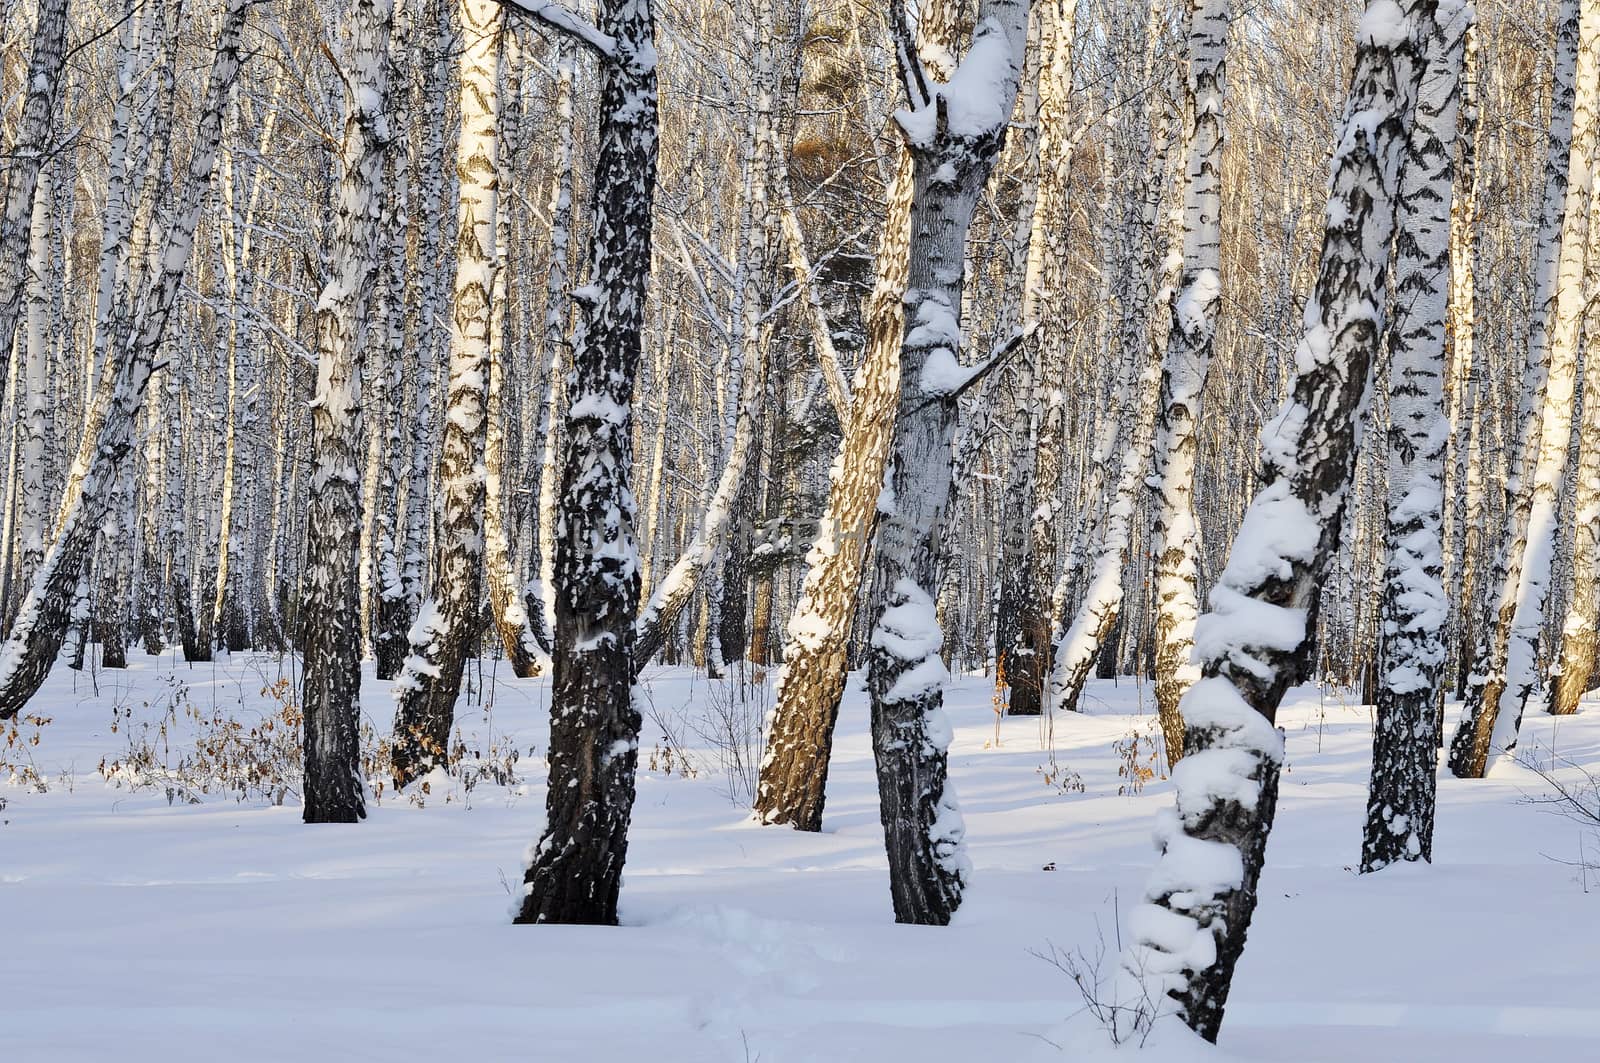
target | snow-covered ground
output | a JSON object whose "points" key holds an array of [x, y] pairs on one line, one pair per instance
{"points": [[135, 929]]}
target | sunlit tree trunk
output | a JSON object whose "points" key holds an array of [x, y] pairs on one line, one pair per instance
{"points": [[430, 679], [1191, 334], [794, 768]]}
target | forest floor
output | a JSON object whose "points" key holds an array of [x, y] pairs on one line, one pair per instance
{"points": [[137, 929]]}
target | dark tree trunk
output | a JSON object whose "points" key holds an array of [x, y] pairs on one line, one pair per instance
{"points": [[733, 634], [149, 621], [183, 613], [576, 870]]}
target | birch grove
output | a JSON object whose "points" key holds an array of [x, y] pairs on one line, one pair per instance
{"points": [[816, 358]]}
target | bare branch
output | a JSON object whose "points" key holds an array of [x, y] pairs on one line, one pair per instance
{"points": [[575, 26]]}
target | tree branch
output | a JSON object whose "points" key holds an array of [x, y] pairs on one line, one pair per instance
{"points": [[559, 17], [912, 76]]}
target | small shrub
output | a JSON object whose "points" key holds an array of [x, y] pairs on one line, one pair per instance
{"points": [[16, 754], [1140, 761]]}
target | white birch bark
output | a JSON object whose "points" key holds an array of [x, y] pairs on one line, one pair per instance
{"points": [[331, 631], [1489, 727], [28, 150], [574, 873], [1411, 651], [794, 768], [1255, 640], [1192, 331], [430, 679], [954, 132], [527, 658], [37, 634]]}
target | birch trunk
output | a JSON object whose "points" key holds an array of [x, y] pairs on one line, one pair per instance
{"points": [[953, 134], [505, 598], [33, 425], [1078, 646], [1574, 670], [1256, 639], [794, 769], [41, 626], [1465, 492], [331, 631], [430, 680], [539, 602], [1190, 337], [28, 149], [575, 871], [1411, 649], [433, 43]]}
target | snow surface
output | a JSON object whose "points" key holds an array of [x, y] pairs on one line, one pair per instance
{"points": [[141, 931]]}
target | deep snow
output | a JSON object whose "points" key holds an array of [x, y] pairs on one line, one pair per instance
{"points": [[134, 930]]}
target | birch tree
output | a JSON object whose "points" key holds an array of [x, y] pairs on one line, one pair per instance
{"points": [[954, 132], [330, 686], [1191, 334], [1493, 713], [1255, 640], [575, 871], [794, 767], [1575, 661], [1411, 651], [504, 590], [430, 679], [28, 150]]}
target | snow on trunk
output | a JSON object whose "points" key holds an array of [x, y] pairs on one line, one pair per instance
{"points": [[954, 134], [1411, 651], [330, 641], [794, 768], [28, 149], [1191, 333], [1255, 640], [574, 872]]}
